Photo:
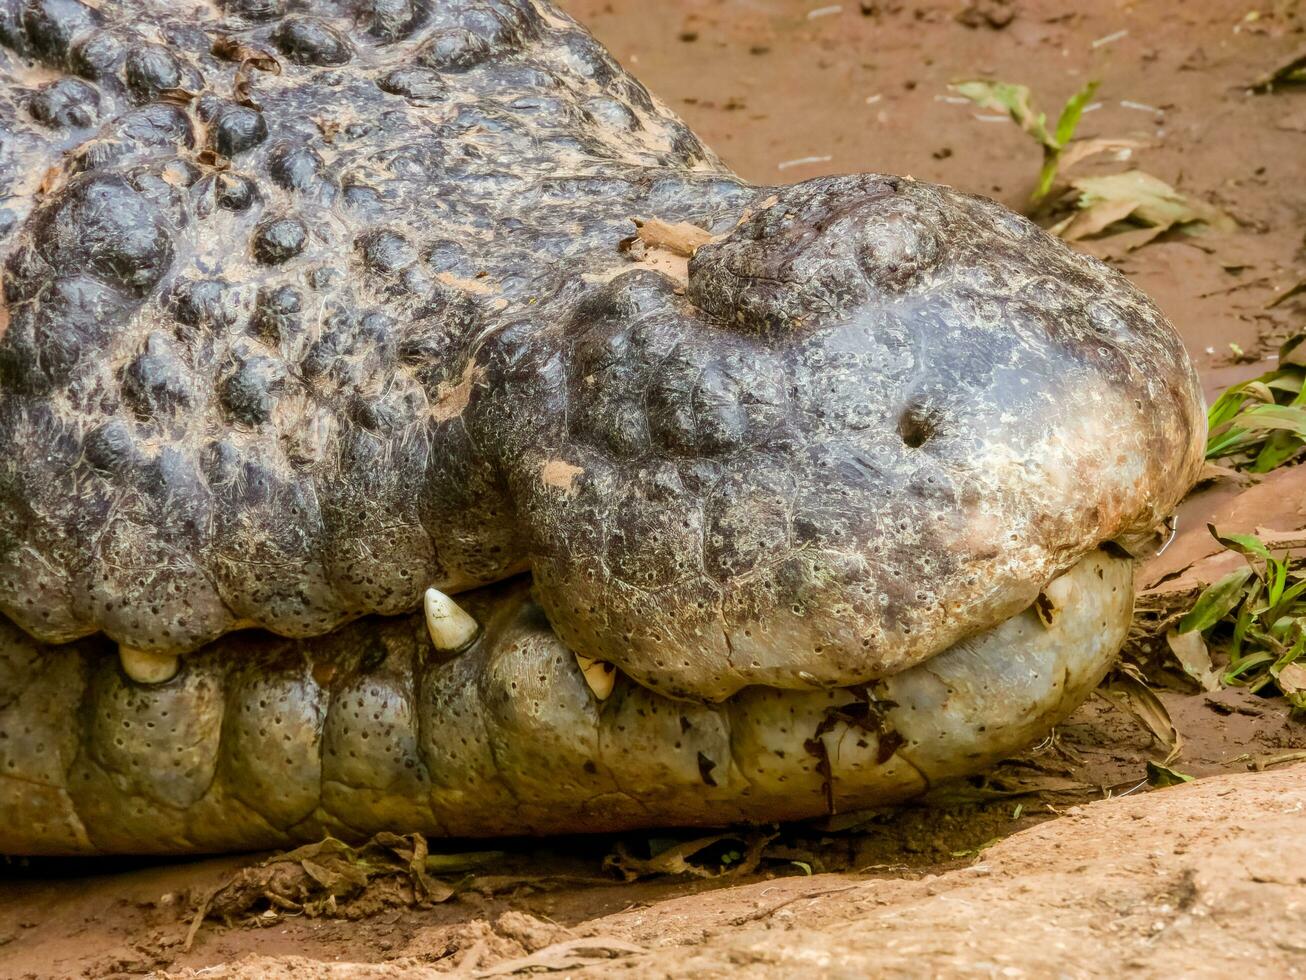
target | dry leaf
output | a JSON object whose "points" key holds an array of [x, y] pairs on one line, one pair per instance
{"points": [[229, 49], [1127, 689], [1260, 763], [1004, 784], [681, 238], [675, 859], [310, 879], [1094, 220], [1292, 291], [996, 14], [177, 96], [1292, 678], [1078, 151], [1190, 650], [1278, 500], [1214, 473], [1142, 199], [1278, 541], [570, 954]]}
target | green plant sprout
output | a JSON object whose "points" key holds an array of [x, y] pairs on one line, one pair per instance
{"points": [[1260, 424], [1017, 102], [1261, 611]]}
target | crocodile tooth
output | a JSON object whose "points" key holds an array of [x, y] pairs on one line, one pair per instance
{"points": [[450, 627], [1058, 595], [600, 675], [147, 667]]}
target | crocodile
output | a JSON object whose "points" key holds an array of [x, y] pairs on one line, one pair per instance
{"points": [[410, 425]]}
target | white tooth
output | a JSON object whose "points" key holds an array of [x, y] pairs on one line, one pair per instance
{"points": [[600, 675], [146, 667], [450, 627], [1058, 595]]}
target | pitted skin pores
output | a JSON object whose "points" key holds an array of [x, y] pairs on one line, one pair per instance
{"points": [[287, 347], [882, 416]]}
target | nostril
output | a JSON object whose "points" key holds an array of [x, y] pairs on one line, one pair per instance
{"points": [[916, 425]]}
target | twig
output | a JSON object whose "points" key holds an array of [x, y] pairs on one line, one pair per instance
{"points": [[802, 160], [200, 913], [1261, 763], [770, 910], [1234, 288], [1110, 38]]}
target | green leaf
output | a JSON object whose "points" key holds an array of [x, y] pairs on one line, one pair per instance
{"points": [[1278, 449], [1156, 203], [1055, 143], [1278, 578], [1244, 622], [1216, 602], [1071, 113], [1012, 99], [1046, 176], [1161, 776], [1286, 601], [1225, 407], [1293, 653], [1228, 442], [1244, 544], [1266, 642], [1266, 417], [1234, 675]]}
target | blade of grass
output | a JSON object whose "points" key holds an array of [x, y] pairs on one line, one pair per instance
{"points": [[1216, 602]]}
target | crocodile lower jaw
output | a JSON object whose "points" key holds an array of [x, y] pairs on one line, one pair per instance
{"points": [[264, 742]]}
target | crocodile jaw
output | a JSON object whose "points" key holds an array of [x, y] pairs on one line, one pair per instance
{"points": [[265, 742]]}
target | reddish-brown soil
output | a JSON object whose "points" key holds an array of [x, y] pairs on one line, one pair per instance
{"points": [[1089, 872]]}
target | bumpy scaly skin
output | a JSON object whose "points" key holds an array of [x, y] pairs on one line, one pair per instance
{"points": [[300, 327], [237, 322], [265, 742], [308, 306]]}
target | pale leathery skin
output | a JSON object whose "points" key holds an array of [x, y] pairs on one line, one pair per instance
{"points": [[294, 330], [266, 742]]}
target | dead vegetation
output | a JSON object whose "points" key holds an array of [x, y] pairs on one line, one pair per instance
{"points": [[1129, 207]]}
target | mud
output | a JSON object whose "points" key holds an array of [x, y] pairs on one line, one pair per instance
{"points": [[1153, 881]]}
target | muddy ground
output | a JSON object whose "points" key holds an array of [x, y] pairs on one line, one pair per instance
{"points": [[1064, 862]]}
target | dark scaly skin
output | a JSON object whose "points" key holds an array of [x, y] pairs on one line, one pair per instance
{"points": [[290, 341], [213, 431], [295, 329]]}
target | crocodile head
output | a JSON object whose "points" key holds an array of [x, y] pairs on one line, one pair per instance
{"points": [[286, 359], [879, 416]]}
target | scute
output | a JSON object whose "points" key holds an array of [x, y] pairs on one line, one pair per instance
{"points": [[353, 284]]}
